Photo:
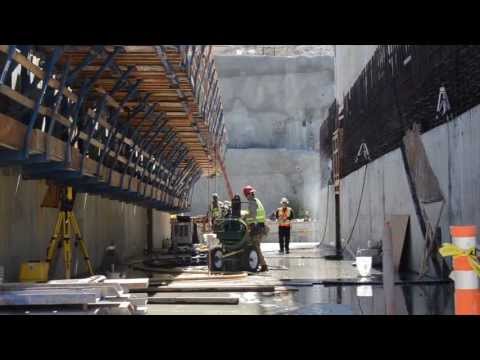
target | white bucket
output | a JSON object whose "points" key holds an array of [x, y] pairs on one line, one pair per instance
{"points": [[211, 240], [364, 265]]}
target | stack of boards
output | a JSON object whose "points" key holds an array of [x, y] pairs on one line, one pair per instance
{"points": [[96, 295]]}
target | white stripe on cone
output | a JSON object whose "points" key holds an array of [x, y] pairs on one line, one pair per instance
{"points": [[465, 243], [465, 280]]}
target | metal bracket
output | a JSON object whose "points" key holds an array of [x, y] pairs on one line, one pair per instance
{"points": [[138, 141], [48, 74], [81, 98], [443, 104], [148, 149], [113, 122], [126, 127], [145, 144], [56, 107], [100, 108], [12, 49], [363, 152]]}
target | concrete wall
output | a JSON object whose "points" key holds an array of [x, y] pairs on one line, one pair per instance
{"points": [[386, 189], [275, 102], [273, 108], [26, 228], [161, 230]]}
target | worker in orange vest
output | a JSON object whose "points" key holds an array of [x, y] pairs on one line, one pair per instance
{"points": [[284, 216]]}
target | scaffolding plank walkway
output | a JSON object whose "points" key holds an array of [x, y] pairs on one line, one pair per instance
{"points": [[138, 124]]}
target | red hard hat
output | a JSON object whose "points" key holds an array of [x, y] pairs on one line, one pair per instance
{"points": [[247, 190]]}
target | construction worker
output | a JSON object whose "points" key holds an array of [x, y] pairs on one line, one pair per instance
{"points": [[255, 219], [284, 215], [215, 208]]}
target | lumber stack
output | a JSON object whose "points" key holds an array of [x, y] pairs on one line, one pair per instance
{"points": [[90, 296]]}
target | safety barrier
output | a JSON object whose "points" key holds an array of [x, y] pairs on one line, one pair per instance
{"points": [[466, 269]]}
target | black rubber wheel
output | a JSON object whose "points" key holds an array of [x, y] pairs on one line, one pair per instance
{"points": [[250, 259], [216, 259]]}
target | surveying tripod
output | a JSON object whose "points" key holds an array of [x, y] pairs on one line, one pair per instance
{"points": [[62, 235]]}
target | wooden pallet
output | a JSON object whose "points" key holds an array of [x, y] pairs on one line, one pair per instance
{"points": [[83, 296]]}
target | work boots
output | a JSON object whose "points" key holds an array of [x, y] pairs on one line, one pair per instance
{"points": [[263, 268]]}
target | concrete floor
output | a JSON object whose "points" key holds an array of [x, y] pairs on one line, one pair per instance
{"points": [[303, 263]]}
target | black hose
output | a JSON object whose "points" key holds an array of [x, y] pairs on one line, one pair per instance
{"points": [[358, 209]]}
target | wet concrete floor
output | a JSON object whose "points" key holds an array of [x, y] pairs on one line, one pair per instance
{"points": [[302, 268]]}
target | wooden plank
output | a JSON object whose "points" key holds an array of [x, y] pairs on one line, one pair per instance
{"points": [[113, 308], [46, 298], [11, 134], [195, 300], [101, 290], [209, 288], [37, 71], [48, 310], [206, 277], [136, 300], [129, 284], [399, 224], [12, 137], [141, 310]]}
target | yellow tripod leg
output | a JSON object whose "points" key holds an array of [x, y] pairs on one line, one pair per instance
{"points": [[67, 249], [52, 246], [83, 246]]}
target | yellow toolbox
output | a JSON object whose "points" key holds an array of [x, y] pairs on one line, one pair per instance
{"points": [[34, 271]]}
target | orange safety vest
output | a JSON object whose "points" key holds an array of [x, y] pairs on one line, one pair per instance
{"points": [[283, 216]]}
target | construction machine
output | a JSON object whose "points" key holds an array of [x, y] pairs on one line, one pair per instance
{"points": [[236, 250]]}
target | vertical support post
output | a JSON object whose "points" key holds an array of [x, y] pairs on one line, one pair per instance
{"points": [[337, 160], [338, 229], [388, 270]]}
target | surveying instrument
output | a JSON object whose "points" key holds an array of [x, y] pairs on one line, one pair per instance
{"points": [[66, 227], [59, 197]]}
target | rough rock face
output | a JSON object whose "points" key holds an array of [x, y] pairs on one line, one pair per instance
{"points": [[275, 102], [275, 50], [273, 173], [273, 108]]}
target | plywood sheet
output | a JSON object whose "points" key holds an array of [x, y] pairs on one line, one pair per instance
{"points": [[399, 225]]}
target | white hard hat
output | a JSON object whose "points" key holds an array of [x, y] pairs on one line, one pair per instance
{"points": [[284, 200]]}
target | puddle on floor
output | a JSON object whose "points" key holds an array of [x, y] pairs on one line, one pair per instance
{"points": [[334, 299]]}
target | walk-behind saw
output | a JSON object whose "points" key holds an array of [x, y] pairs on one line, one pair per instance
{"points": [[236, 251]]}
